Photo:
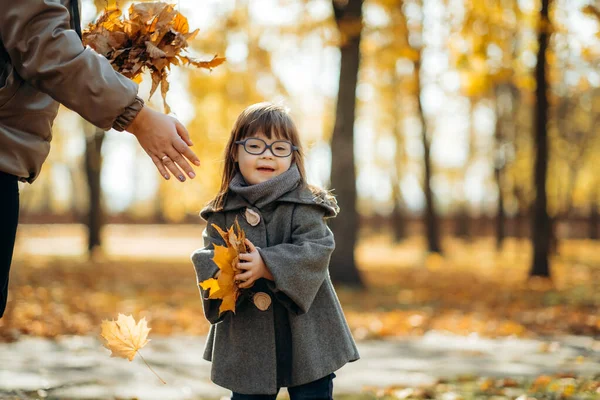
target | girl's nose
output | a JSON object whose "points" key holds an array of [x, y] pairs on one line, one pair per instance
{"points": [[268, 153]]}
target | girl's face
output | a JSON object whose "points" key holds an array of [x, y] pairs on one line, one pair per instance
{"points": [[260, 168]]}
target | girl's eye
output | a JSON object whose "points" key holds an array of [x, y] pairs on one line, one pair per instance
{"points": [[254, 146], [280, 148]]}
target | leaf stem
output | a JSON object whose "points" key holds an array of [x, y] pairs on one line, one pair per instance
{"points": [[148, 365]]}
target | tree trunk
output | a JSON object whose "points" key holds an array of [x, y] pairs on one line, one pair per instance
{"points": [[343, 175], [499, 164], [93, 167], [398, 219], [431, 221], [462, 226], [500, 216], [541, 225], [594, 216]]}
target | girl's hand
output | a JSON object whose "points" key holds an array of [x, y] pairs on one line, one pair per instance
{"points": [[254, 267]]}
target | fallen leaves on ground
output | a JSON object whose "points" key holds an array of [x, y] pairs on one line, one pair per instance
{"points": [[226, 258], [152, 38], [56, 296], [560, 386], [555, 387]]}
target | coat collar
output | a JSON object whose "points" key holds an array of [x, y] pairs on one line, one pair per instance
{"points": [[300, 194], [261, 194]]}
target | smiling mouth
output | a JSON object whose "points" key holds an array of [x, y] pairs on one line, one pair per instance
{"points": [[266, 169]]}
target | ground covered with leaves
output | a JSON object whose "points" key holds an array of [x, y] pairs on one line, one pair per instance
{"points": [[472, 387], [556, 387], [469, 290]]}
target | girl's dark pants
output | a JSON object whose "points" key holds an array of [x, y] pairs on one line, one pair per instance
{"points": [[9, 217], [321, 389]]}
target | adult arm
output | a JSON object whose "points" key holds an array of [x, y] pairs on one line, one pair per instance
{"points": [[48, 54]]}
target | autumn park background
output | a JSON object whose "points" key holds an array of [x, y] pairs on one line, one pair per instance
{"points": [[459, 136]]}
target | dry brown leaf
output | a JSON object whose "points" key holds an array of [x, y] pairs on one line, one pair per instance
{"points": [[164, 88], [215, 62], [154, 51], [226, 258], [156, 78]]}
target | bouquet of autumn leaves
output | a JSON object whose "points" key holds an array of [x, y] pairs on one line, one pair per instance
{"points": [[226, 257], [152, 38]]}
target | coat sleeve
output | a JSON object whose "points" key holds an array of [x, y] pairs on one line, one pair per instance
{"points": [[300, 267], [206, 268], [49, 55]]}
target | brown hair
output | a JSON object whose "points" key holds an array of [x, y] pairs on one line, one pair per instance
{"points": [[269, 119]]}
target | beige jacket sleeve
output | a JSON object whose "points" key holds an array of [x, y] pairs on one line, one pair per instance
{"points": [[49, 55]]}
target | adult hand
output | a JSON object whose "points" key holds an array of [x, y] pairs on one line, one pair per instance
{"points": [[166, 141], [254, 267]]}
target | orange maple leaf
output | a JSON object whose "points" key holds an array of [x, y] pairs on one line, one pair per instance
{"points": [[226, 257]]}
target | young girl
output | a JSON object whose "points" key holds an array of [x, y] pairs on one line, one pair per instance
{"points": [[288, 329]]}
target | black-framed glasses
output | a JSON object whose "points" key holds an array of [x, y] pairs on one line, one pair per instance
{"points": [[256, 146]]}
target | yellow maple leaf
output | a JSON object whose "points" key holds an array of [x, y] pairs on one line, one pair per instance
{"points": [[124, 338], [226, 258]]}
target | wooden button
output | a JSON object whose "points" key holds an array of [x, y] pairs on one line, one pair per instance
{"points": [[252, 217], [262, 301]]}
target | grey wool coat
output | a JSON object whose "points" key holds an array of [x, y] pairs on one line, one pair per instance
{"points": [[296, 245]]}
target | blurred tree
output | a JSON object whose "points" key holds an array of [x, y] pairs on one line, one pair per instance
{"points": [[94, 137], [462, 228], [348, 17], [594, 216], [485, 49], [384, 53], [431, 219], [398, 212], [505, 131], [541, 223], [93, 167], [410, 44]]}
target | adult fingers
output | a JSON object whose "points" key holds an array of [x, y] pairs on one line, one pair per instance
{"points": [[176, 156], [181, 147], [160, 166], [171, 166], [183, 133]]}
